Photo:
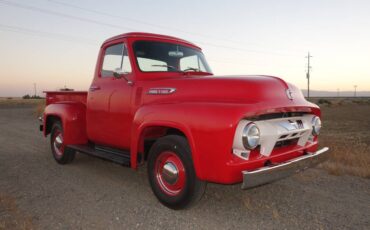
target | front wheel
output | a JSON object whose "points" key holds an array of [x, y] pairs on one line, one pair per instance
{"points": [[171, 173], [61, 154]]}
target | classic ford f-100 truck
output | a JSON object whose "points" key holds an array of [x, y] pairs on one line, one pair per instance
{"points": [[154, 100]]}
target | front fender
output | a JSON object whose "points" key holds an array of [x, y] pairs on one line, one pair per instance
{"points": [[154, 116], [73, 118], [209, 128]]}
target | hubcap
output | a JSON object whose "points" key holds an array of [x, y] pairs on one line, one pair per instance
{"points": [[58, 144], [170, 173], [58, 141]]}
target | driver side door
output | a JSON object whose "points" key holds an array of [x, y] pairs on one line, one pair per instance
{"points": [[109, 102]]}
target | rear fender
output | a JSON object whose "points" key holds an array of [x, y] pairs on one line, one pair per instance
{"points": [[73, 118]]}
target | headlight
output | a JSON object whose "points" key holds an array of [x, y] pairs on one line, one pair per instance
{"points": [[251, 136], [316, 126]]}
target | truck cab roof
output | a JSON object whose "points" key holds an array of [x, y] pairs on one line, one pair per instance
{"points": [[143, 35]]}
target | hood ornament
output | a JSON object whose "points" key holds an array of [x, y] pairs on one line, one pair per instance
{"points": [[289, 94]]}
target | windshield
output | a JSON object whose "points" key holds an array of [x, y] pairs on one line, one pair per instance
{"points": [[167, 57]]}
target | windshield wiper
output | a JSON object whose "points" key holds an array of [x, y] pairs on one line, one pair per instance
{"points": [[181, 71], [168, 66]]}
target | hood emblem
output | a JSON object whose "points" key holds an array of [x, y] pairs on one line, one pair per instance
{"points": [[289, 94], [290, 125], [161, 91]]}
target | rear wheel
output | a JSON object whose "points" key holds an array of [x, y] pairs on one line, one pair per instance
{"points": [[171, 173], [61, 154]]}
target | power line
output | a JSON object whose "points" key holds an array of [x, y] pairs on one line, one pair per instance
{"points": [[141, 22], [168, 28], [62, 37], [54, 13], [38, 33], [242, 49]]}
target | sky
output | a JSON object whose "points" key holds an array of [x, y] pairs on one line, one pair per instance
{"points": [[54, 43]]}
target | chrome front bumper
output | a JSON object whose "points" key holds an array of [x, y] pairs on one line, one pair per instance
{"points": [[268, 174]]}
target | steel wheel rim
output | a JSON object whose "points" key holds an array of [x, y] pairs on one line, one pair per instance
{"points": [[170, 173]]}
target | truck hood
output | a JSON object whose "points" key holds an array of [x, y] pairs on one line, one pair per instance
{"points": [[224, 89]]}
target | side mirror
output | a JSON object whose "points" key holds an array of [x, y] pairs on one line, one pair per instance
{"points": [[118, 73]]}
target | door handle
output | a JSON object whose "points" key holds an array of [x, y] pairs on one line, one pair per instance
{"points": [[94, 88]]}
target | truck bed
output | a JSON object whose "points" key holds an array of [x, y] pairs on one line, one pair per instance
{"points": [[53, 97]]}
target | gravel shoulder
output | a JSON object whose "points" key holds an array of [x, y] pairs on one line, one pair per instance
{"points": [[37, 193]]}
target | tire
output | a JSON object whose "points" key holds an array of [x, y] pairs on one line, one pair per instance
{"points": [[174, 190], [61, 154]]}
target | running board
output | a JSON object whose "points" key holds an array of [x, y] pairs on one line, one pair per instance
{"points": [[118, 156]]}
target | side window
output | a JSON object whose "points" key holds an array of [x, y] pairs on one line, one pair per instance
{"points": [[191, 62], [115, 58]]}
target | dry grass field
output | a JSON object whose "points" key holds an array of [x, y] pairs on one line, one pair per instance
{"points": [[39, 104], [18, 101], [346, 130]]}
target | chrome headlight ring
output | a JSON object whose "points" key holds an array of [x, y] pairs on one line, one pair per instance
{"points": [[316, 126], [251, 136]]}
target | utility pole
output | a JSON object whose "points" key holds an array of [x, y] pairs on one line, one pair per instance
{"points": [[338, 92], [355, 90], [34, 88], [308, 74]]}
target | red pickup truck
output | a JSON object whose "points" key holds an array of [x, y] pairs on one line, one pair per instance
{"points": [[154, 100]]}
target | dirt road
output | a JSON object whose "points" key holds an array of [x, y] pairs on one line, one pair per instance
{"points": [[35, 192]]}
